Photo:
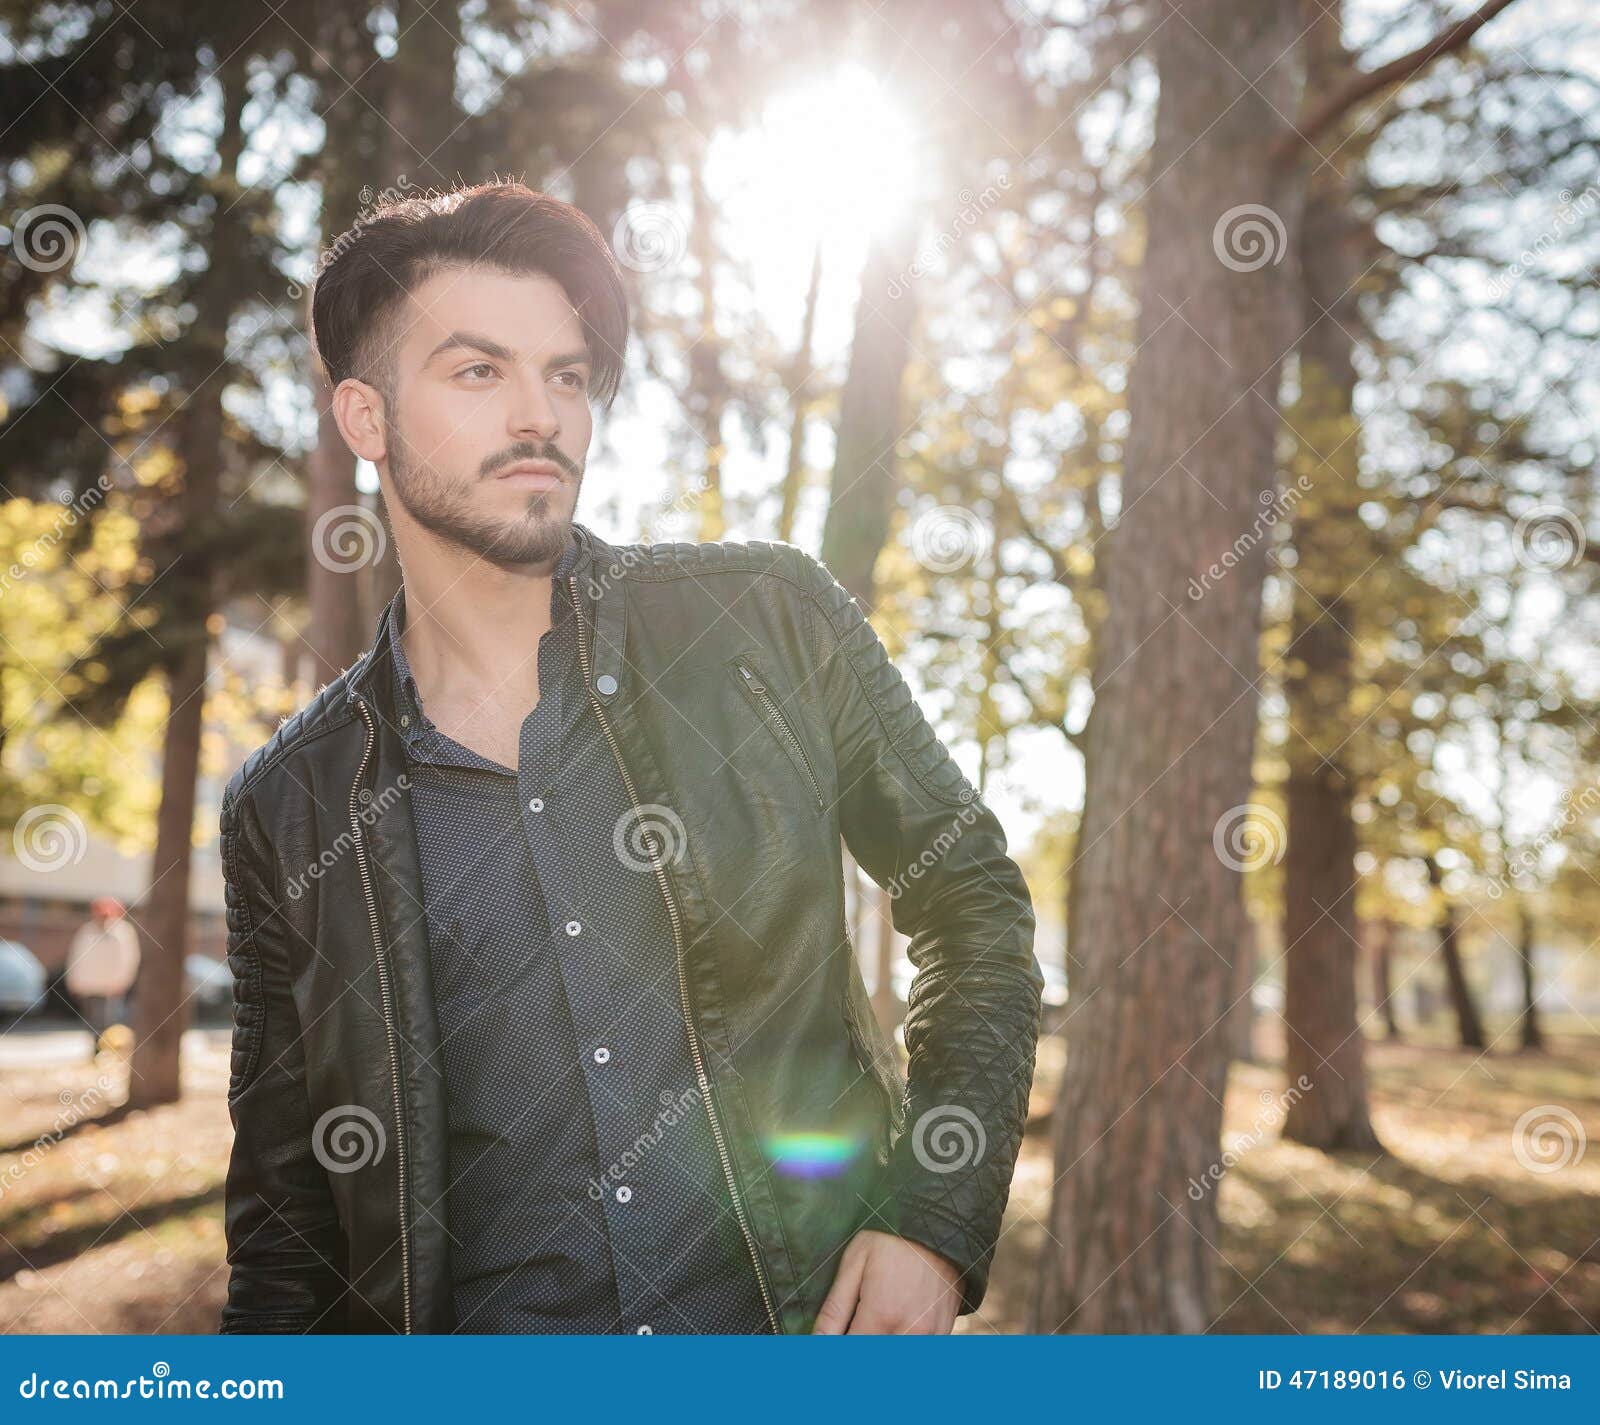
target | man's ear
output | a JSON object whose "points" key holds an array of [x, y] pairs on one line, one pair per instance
{"points": [[358, 411]]}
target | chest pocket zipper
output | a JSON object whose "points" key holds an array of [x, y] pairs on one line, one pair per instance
{"points": [[772, 714]]}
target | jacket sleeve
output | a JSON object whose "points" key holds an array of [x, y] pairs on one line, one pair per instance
{"points": [[285, 1245], [917, 826]]}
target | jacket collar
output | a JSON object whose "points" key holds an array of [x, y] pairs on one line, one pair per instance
{"points": [[602, 585]]}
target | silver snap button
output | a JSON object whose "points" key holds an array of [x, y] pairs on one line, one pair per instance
{"points": [[602, 1055], [605, 684], [405, 719], [537, 804], [624, 1193], [573, 927], [643, 1331]]}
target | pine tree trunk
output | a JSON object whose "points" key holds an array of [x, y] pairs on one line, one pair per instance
{"points": [[1382, 948], [1157, 914], [1532, 1033], [1469, 1022], [1325, 1044]]}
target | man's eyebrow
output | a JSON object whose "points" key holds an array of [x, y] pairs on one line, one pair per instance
{"points": [[477, 342]]}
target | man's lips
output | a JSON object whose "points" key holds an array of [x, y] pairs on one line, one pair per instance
{"points": [[536, 474]]}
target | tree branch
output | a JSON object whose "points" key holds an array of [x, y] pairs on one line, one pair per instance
{"points": [[1396, 71]]}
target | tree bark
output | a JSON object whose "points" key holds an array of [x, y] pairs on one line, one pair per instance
{"points": [[865, 465], [1325, 1043], [1381, 945], [1531, 1031], [1469, 1022], [1156, 912], [162, 1012]]}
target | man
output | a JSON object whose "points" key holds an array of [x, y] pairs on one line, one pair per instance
{"points": [[547, 1016], [102, 964]]}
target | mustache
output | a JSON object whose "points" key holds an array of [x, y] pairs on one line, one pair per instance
{"points": [[529, 451]]}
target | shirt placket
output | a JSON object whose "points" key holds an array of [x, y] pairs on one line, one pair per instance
{"points": [[590, 975]]}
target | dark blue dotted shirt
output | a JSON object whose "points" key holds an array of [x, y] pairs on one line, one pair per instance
{"points": [[586, 1193]]}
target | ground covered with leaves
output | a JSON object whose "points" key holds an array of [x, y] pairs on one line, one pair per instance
{"points": [[113, 1222]]}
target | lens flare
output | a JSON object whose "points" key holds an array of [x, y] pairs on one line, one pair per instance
{"points": [[811, 1155]]}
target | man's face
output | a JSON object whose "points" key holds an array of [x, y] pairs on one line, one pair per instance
{"points": [[492, 372]]}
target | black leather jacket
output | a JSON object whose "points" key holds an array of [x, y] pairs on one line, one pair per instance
{"points": [[757, 719]]}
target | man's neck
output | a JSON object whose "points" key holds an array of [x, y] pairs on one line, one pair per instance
{"points": [[472, 631]]}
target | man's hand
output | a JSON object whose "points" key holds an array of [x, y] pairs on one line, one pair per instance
{"points": [[888, 1285]]}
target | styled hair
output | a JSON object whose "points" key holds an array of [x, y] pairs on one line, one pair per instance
{"points": [[366, 274]]}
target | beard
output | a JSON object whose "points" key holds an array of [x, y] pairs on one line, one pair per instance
{"points": [[444, 507]]}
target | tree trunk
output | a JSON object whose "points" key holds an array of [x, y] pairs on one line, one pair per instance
{"points": [[1382, 951], [1532, 1033], [799, 405], [162, 1010], [1325, 1044], [1156, 916], [865, 464], [1241, 1007], [1468, 1021], [886, 1001]]}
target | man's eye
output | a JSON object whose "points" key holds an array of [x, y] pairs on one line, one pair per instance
{"points": [[477, 366], [578, 379]]}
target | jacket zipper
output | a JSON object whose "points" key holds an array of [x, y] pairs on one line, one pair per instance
{"points": [[683, 984], [775, 716], [388, 1015]]}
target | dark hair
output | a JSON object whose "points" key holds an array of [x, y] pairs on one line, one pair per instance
{"points": [[365, 276]]}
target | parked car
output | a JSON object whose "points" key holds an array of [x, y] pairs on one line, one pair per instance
{"points": [[209, 984], [22, 980]]}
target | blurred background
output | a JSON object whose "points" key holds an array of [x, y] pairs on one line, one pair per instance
{"points": [[1199, 395]]}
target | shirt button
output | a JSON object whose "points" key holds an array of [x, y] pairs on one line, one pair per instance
{"points": [[573, 927], [624, 1193], [405, 719], [602, 1055], [606, 684], [537, 804], [643, 1331]]}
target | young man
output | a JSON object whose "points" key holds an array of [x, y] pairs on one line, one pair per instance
{"points": [[547, 1016]]}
